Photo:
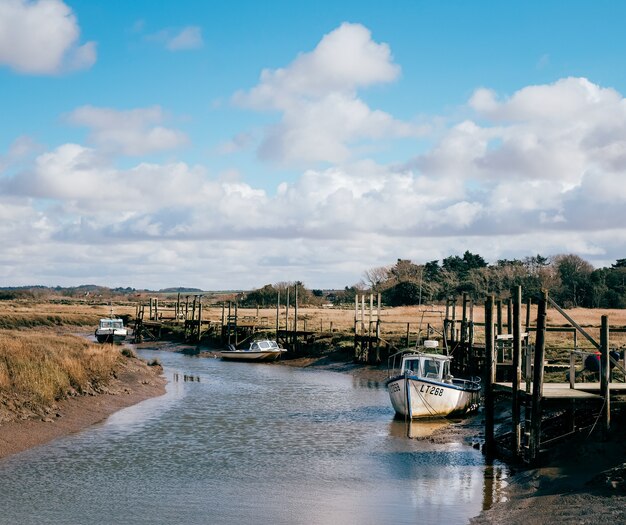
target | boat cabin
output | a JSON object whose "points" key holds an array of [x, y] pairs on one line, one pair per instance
{"points": [[263, 346], [428, 366], [110, 323]]}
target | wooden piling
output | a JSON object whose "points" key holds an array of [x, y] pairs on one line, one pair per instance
{"points": [[517, 370], [537, 395], [605, 373], [277, 313], [490, 372]]}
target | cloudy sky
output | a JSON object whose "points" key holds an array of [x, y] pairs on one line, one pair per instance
{"points": [[234, 144]]}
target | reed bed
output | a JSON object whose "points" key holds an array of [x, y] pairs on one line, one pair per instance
{"points": [[43, 368]]}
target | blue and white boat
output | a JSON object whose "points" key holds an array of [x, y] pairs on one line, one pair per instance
{"points": [[423, 387]]}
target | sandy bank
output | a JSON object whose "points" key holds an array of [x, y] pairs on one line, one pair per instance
{"points": [[135, 382]]}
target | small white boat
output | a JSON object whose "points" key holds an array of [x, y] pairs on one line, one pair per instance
{"points": [[110, 330], [263, 350], [424, 387]]}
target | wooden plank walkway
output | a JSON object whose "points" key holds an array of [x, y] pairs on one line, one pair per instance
{"points": [[563, 391]]}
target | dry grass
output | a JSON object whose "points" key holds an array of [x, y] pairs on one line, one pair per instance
{"points": [[30, 314], [42, 368]]}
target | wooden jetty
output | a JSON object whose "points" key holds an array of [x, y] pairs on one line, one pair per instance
{"points": [[534, 401]]}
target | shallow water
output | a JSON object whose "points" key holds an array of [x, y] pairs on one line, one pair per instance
{"points": [[249, 443]]}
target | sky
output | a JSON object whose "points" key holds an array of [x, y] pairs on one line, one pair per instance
{"points": [[229, 145]]}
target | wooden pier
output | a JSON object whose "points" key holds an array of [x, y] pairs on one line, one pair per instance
{"points": [[535, 402]]}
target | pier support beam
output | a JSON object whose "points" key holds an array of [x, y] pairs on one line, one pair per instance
{"points": [[605, 373], [516, 294], [540, 349], [490, 376]]}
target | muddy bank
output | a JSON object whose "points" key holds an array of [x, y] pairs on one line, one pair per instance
{"points": [[23, 429]]}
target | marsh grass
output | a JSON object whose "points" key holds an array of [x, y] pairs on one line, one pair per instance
{"points": [[42, 368]]}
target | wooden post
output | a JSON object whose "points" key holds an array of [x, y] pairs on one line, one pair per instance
{"points": [[490, 373], [464, 319], [235, 327], [453, 332], [540, 348], [156, 309], [222, 331], [295, 319], [177, 314], [605, 373], [517, 370], [356, 322], [408, 330], [199, 319], [277, 313], [228, 322], [150, 308], [378, 328], [287, 316], [509, 317]]}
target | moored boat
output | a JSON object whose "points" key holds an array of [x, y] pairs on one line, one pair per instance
{"points": [[110, 330], [262, 350], [423, 387]]}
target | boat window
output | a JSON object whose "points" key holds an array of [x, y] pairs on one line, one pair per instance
{"points": [[117, 324], [413, 365], [432, 368], [273, 344], [264, 345], [254, 346]]}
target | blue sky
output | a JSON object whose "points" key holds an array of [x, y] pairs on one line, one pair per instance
{"points": [[231, 145]]}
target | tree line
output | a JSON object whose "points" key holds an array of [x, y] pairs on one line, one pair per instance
{"points": [[571, 280]]}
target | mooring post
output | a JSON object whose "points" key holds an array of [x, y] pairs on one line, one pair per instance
{"points": [[605, 373], [277, 314], [509, 317], [540, 349], [516, 293], [295, 318], [199, 319], [228, 321], [453, 332], [490, 373], [464, 349], [151, 308], [287, 316], [378, 328], [222, 330], [356, 321]]}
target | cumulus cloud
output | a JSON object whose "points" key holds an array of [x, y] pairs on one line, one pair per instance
{"points": [[316, 94], [132, 132], [42, 38], [508, 183]]}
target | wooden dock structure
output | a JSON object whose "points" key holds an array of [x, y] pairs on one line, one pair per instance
{"points": [[533, 400]]}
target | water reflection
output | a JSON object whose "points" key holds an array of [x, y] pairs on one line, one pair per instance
{"points": [[249, 444]]}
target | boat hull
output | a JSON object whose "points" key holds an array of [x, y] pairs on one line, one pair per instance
{"points": [[117, 336], [246, 355], [420, 398]]}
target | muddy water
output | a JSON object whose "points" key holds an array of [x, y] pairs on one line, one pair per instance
{"points": [[244, 443]]}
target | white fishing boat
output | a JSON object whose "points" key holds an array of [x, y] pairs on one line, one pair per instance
{"points": [[262, 350], [423, 386], [110, 330]]}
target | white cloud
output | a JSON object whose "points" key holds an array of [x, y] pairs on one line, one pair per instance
{"points": [[188, 38], [132, 132], [508, 184], [316, 94], [184, 39], [41, 37]]}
